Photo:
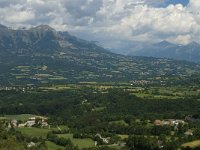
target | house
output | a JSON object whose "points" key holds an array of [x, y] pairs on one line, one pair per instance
{"points": [[30, 123], [157, 122], [14, 123], [31, 144], [44, 124], [189, 133], [33, 121], [21, 125]]}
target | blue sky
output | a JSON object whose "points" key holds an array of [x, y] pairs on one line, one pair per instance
{"points": [[184, 2]]}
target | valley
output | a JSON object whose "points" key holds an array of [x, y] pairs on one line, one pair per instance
{"points": [[60, 92], [80, 114]]}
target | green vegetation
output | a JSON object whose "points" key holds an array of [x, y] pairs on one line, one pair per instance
{"points": [[123, 136], [113, 117], [52, 146], [86, 64], [34, 132], [192, 144], [22, 117], [93, 99], [12, 140], [81, 143]]}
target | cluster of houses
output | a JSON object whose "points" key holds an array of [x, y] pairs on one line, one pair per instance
{"points": [[141, 82], [170, 122], [17, 88], [33, 121], [174, 123]]}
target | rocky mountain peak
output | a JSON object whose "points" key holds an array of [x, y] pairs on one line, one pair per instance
{"points": [[43, 28]]}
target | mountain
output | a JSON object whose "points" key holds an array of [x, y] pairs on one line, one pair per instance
{"points": [[42, 55], [41, 38], [164, 49]]}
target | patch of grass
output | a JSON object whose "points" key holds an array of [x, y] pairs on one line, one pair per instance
{"points": [[123, 136], [53, 146], [115, 146], [34, 132], [2, 118], [192, 144], [22, 117], [81, 143], [62, 127]]}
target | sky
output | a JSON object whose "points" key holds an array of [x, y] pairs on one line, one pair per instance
{"points": [[111, 22], [183, 2]]}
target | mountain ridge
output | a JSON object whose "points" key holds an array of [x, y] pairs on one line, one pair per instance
{"points": [[33, 38], [164, 49]]}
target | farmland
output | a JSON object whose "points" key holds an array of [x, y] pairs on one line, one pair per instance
{"points": [[192, 144], [81, 143]]}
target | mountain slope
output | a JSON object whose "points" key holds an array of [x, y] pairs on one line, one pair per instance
{"points": [[190, 52], [42, 55]]}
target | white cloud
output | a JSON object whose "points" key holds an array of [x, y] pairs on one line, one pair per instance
{"points": [[109, 21], [183, 39]]}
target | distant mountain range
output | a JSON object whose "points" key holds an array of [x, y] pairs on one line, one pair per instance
{"points": [[42, 55], [164, 49], [42, 38]]}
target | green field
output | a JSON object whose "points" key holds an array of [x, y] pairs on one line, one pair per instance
{"points": [[192, 144], [34, 132], [38, 132], [81, 143], [52, 146], [115, 146], [62, 127], [22, 117], [2, 118], [123, 136]]}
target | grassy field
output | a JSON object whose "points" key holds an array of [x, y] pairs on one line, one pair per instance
{"points": [[192, 144], [115, 146], [2, 118], [34, 132], [22, 117], [81, 143], [62, 127], [52, 146], [123, 136]]}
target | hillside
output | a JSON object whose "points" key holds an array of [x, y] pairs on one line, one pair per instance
{"points": [[43, 55]]}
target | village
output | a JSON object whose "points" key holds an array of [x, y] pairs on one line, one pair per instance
{"points": [[37, 121]]}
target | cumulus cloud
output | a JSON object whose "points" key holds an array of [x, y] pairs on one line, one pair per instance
{"points": [[109, 21]]}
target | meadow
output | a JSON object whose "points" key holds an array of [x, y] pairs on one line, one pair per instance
{"points": [[192, 144]]}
